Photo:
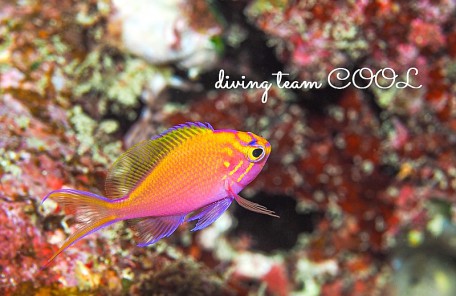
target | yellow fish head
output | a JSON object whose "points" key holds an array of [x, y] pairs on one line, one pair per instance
{"points": [[251, 154]]}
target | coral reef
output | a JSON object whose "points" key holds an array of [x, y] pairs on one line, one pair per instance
{"points": [[363, 177], [315, 37]]}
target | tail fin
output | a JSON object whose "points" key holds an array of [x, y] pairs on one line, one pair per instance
{"points": [[92, 212]]}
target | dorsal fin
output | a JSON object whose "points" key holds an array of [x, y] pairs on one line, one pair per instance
{"points": [[138, 161], [192, 125]]}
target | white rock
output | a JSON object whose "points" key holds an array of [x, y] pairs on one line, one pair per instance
{"points": [[159, 32], [253, 265]]}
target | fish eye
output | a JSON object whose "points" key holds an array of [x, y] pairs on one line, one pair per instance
{"points": [[256, 154]]}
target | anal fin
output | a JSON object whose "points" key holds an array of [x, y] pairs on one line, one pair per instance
{"points": [[208, 214], [152, 229]]}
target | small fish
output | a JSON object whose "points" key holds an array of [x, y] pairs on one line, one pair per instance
{"points": [[189, 172]]}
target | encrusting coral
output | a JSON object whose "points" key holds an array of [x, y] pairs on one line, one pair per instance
{"points": [[365, 178]]}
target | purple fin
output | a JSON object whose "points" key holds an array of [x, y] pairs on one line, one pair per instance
{"points": [[208, 214], [187, 125], [152, 229]]}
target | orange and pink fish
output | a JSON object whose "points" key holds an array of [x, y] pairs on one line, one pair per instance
{"points": [[189, 172]]}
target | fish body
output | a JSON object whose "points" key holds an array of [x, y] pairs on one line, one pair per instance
{"points": [[191, 176], [190, 172]]}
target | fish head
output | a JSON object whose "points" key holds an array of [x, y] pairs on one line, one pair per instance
{"points": [[250, 155]]}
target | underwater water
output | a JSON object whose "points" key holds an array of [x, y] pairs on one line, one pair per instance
{"points": [[357, 100]]}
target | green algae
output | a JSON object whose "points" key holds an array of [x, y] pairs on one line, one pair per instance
{"points": [[100, 73], [84, 127], [8, 163], [90, 135], [259, 7], [127, 86]]}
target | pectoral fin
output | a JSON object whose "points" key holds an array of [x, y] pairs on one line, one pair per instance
{"points": [[254, 207]]}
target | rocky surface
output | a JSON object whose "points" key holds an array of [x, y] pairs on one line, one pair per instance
{"points": [[364, 179]]}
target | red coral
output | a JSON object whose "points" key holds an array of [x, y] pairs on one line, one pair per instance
{"points": [[425, 35], [316, 37], [21, 244], [277, 280]]}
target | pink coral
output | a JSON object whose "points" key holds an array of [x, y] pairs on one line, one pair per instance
{"points": [[315, 37], [424, 35], [21, 243]]}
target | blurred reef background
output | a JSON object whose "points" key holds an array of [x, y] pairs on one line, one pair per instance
{"points": [[364, 179]]}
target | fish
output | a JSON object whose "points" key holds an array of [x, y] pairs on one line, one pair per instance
{"points": [[190, 172]]}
